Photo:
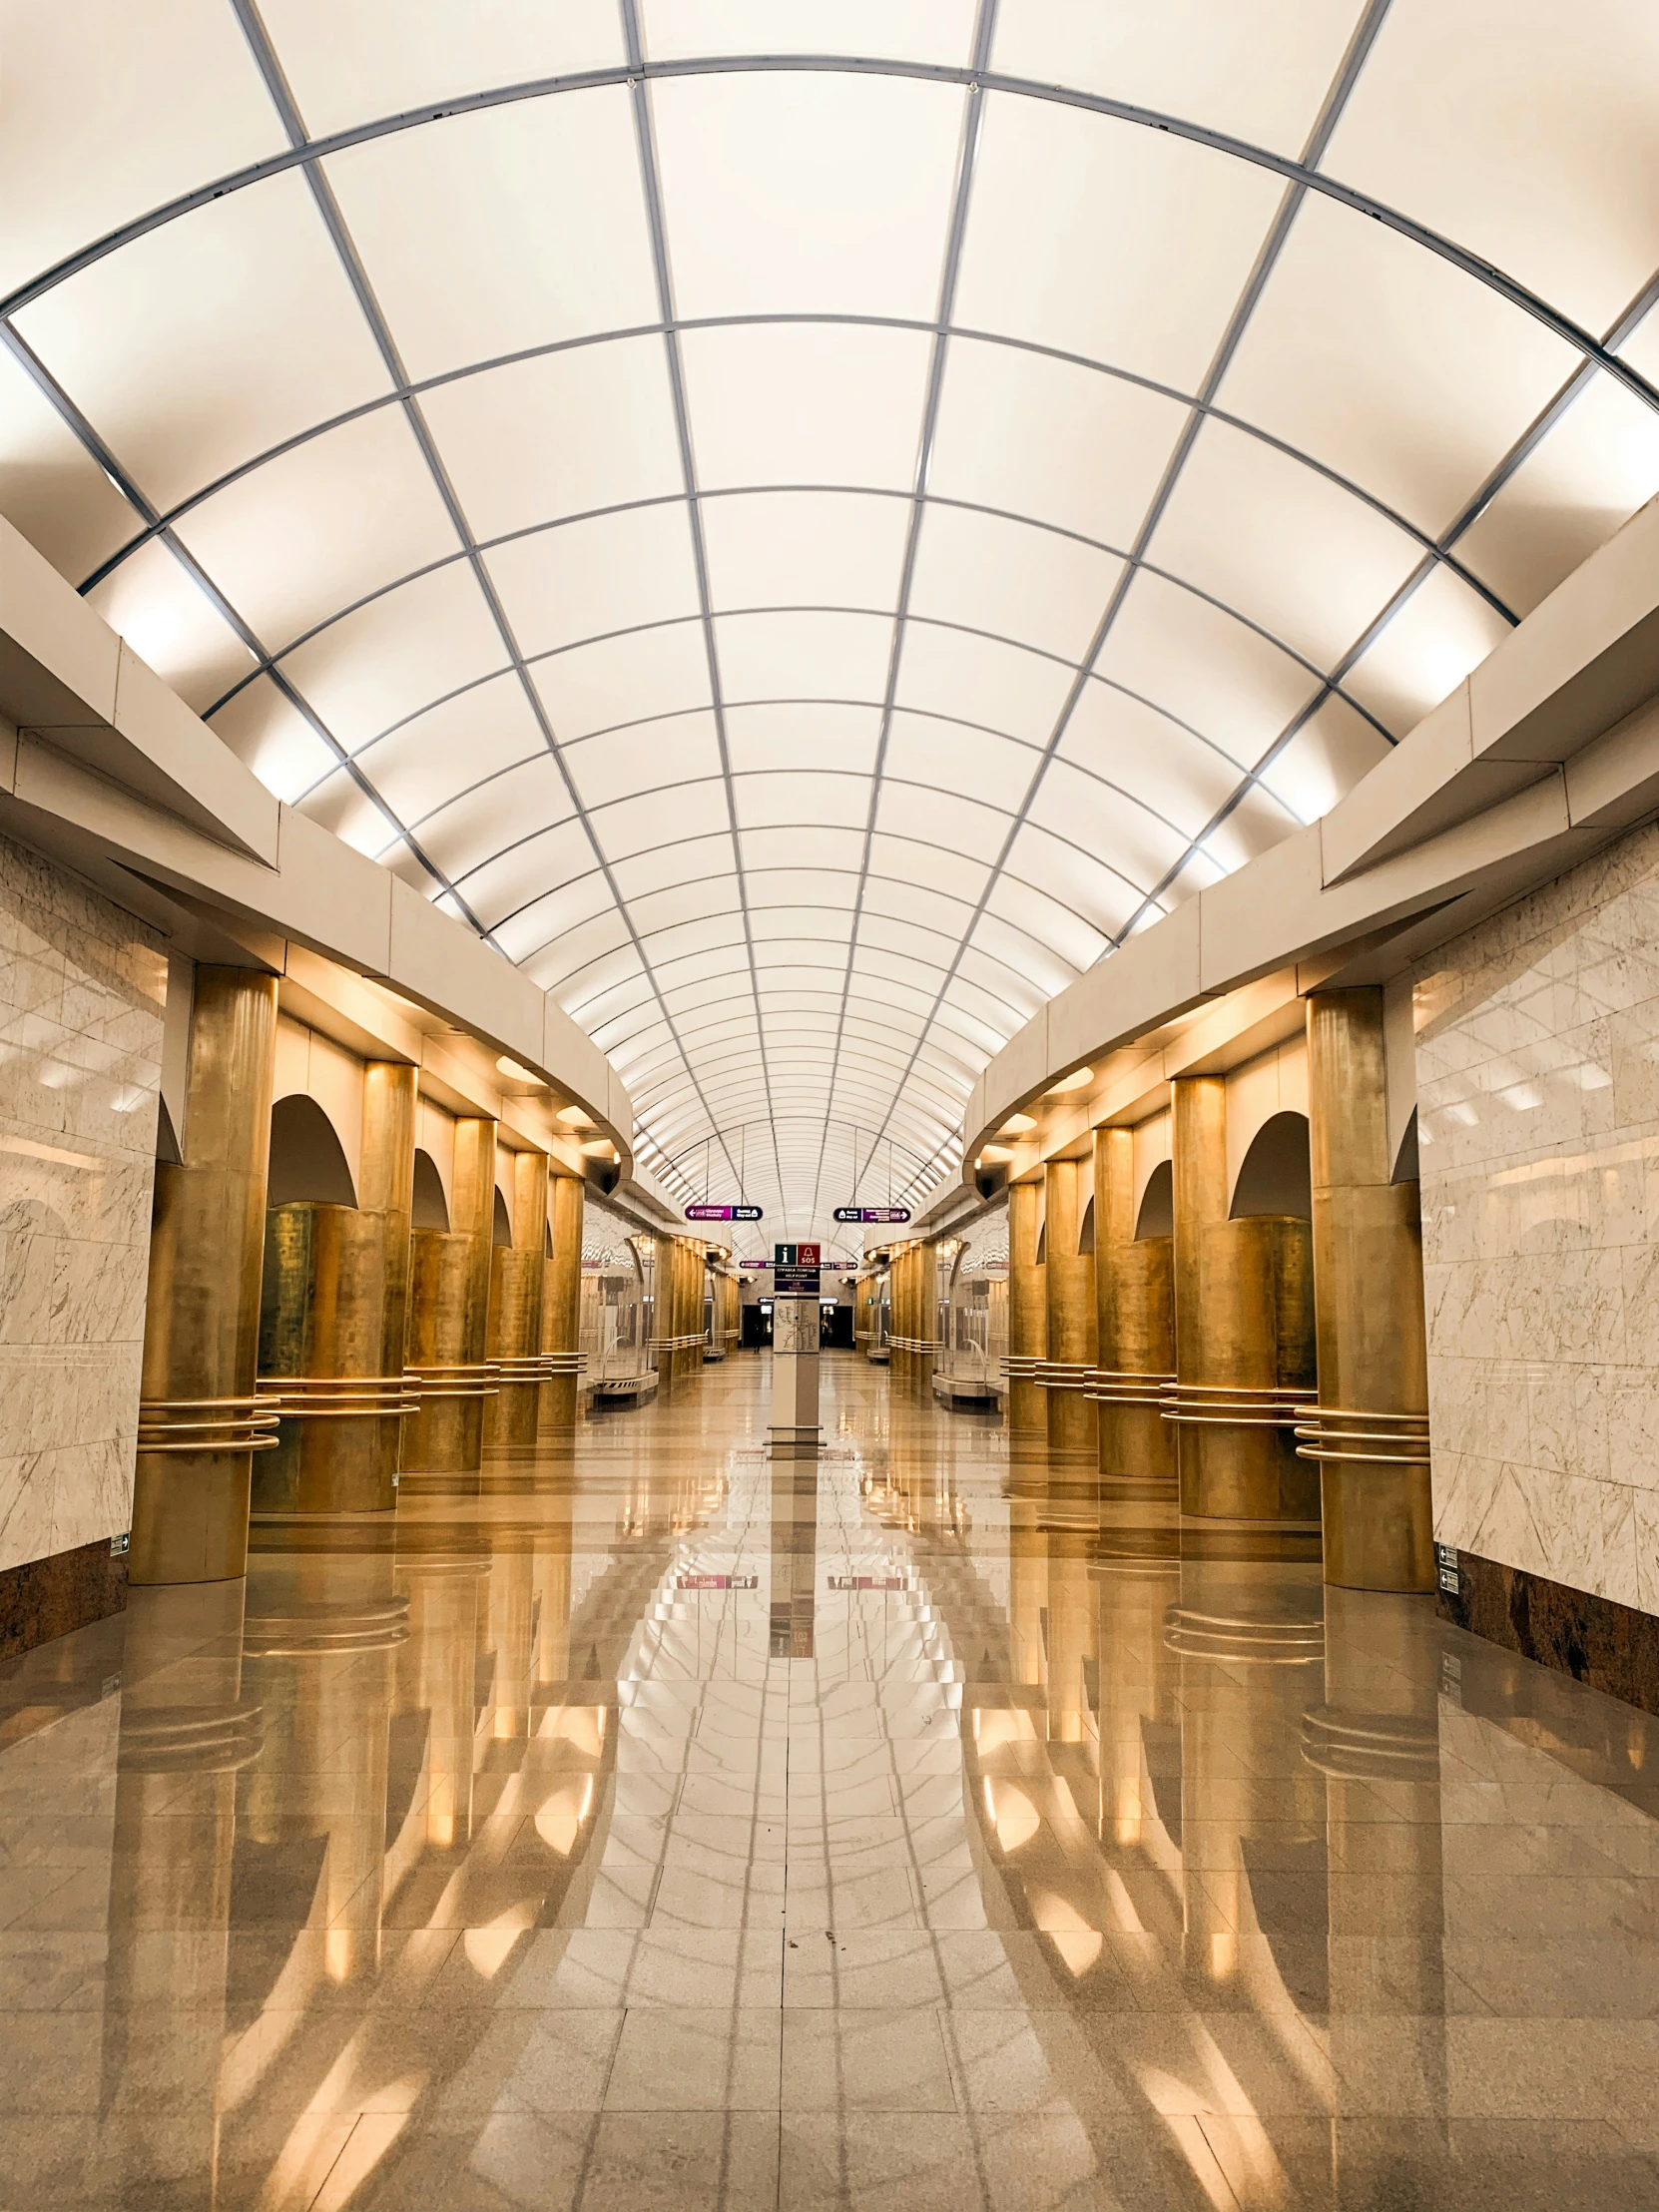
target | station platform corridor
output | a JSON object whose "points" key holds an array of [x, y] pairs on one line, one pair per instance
{"points": [[649, 1823]]}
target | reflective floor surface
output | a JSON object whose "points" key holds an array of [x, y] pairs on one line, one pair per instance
{"points": [[905, 1829]]}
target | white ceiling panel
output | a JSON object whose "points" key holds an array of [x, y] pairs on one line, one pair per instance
{"points": [[1584, 479], [589, 579], [1011, 580], [529, 870], [814, 848], [103, 121], [859, 176], [798, 549], [1279, 544], [168, 620], [427, 759], [395, 656], [1150, 289], [340, 805], [690, 860], [961, 824], [1526, 135], [269, 734], [350, 59], [805, 403], [535, 931], [683, 748], [980, 682], [558, 435], [1323, 761], [808, 797], [1389, 365], [922, 749], [51, 488], [211, 339], [906, 859], [1204, 667], [505, 229], [803, 656], [639, 825], [1076, 906], [515, 804], [638, 676], [917, 30], [1105, 823], [805, 730], [1426, 651], [1153, 759], [1257, 73], [321, 527], [1254, 826], [1074, 446]]}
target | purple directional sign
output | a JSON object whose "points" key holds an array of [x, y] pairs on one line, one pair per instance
{"points": [[872, 1213], [727, 1213]]}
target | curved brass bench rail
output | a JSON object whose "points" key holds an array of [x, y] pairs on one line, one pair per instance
{"points": [[1364, 1437], [538, 1367], [478, 1380], [915, 1344], [1021, 1366], [1236, 1406], [676, 1344], [1126, 1387], [1063, 1375], [338, 1397], [206, 1425]]}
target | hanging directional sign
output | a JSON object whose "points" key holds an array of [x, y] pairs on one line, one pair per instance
{"points": [[726, 1213], [872, 1213], [797, 1255]]}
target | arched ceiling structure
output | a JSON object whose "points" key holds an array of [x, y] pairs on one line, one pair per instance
{"points": [[806, 524]]}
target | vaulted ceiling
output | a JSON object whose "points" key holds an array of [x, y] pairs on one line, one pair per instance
{"points": [[808, 525]]}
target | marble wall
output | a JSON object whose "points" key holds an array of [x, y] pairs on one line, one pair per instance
{"points": [[83, 989], [1537, 1061]]}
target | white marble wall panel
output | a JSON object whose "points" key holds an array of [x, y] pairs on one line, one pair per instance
{"points": [[1538, 1062], [83, 989]]}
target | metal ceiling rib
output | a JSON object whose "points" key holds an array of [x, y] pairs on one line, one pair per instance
{"points": [[1341, 88], [940, 73], [271, 72]]}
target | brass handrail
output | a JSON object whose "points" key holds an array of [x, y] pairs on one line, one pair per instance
{"points": [[1237, 1404], [338, 1397], [1328, 1430], [1129, 1387], [468, 1378], [164, 1425]]}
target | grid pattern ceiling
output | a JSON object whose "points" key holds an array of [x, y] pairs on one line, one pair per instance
{"points": [[806, 524]]}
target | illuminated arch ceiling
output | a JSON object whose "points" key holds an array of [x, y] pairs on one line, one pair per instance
{"points": [[806, 552]]}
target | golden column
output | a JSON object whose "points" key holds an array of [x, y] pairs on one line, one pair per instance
{"points": [[899, 1319], [1028, 1313], [678, 1327], [1370, 1435], [1070, 1297], [561, 1304], [1244, 1331], [199, 1421], [332, 1317], [517, 1277], [1135, 1323], [450, 1296]]}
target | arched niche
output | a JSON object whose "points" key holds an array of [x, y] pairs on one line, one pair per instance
{"points": [[1085, 1235], [1157, 1211], [501, 1229], [1275, 1177], [307, 1160], [1407, 1165], [430, 1209]]}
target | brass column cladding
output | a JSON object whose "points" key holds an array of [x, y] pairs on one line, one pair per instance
{"points": [[561, 1310], [202, 1318], [1243, 1318], [898, 1361], [1069, 1295], [1368, 1289], [517, 1277], [449, 1287], [1027, 1309], [335, 1303], [1134, 1317], [928, 1316]]}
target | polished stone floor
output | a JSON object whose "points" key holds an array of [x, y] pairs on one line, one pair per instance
{"points": [[904, 1829]]}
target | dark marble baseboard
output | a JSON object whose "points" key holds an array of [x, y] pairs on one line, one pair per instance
{"points": [[50, 1598], [1613, 1648]]}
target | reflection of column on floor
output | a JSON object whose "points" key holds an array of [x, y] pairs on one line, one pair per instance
{"points": [[550, 1576], [1071, 1657], [1028, 1313], [1027, 1594], [793, 1558], [186, 1728], [1140, 1734], [435, 1681], [1249, 1638], [1377, 1741], [320, 1640], [509, 1640]]}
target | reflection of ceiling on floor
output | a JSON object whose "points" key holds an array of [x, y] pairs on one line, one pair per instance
{"points": [[807, 553]]}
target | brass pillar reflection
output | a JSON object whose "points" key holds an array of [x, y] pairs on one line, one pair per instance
{"points": [[561, 1310], [517, 1277], [1244, 1331], [1135, 1323], [333, 1311], [449, 1287], [1027, 1311], [1070, 1297], [1369, 1439], [198, 1421]]}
